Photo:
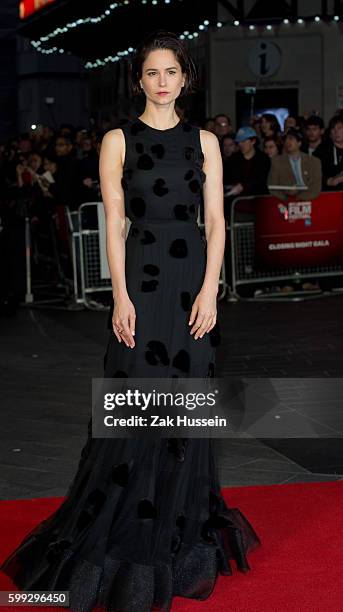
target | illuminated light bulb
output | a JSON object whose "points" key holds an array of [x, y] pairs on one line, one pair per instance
{"points": [[38, 44]]}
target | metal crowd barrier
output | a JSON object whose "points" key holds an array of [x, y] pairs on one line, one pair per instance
{"points": [[60, 288], [85, 248], [246, 278]]}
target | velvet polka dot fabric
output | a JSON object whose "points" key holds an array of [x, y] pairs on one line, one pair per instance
{"points": [[144, 520]]}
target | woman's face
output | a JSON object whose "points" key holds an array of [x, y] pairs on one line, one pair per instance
{"points": [[229, 147], [290, 122], [23, 160], [257, 127], [49, 165], [265, 125], [35, 161], [79, 136], [209, 125], [47, 132], [162, 72], [270, 148], [25, 145], [87, 145]]}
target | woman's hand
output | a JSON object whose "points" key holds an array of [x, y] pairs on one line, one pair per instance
{"points": [[334, 181], [124, 320], [88, 182], [237, 189], [204, 312]]}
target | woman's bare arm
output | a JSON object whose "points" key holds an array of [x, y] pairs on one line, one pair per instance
{"points": [[213, 208], [111, 170], [204, 310]]}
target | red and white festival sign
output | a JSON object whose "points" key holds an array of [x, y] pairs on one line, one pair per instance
{"points": [[28, 7], [295, 233]]}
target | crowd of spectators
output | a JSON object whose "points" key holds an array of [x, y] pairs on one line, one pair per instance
{"points": [[298, 162], [41, 173], [45, 170], [304, 154]]}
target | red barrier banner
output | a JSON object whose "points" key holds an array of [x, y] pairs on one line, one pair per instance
{"points": [[28, 7], [293, 233]]}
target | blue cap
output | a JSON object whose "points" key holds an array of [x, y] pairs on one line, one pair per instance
{"points": [[244, 133]]}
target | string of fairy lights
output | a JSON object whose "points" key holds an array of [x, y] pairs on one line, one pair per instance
{"points": [[40, 44]]}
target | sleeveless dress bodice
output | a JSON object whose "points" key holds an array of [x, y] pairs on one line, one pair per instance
{"points": [[162, 172]]}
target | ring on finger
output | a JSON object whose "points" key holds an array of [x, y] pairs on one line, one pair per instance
{"points": [[205, 329]]}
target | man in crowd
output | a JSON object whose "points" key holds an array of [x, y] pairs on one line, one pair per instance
{"points": [[249, 167], [228, 147], [314, 134], [65, 188], [331, 156], [88, 172], [290, 122], [295, 168], [222, 126]]}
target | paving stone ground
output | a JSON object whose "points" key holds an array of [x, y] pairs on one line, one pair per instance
{"points": [[49, 356]]}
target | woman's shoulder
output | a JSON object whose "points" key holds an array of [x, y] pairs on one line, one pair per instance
{"points": [[209, 141], [117, 132], [113, 136], [113, 144], [207, 136]]}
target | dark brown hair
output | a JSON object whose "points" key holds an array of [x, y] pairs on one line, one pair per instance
{"points": [[277, 141], [273, 122], [162, 39], [334, 121]]}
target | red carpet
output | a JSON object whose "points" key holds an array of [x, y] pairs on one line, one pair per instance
{"points": [[298, 568]]}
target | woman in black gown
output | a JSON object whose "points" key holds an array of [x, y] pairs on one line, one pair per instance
{"points": [[144, 520]]}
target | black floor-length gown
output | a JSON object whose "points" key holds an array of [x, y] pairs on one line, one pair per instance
{"points": [[144, 520]]}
